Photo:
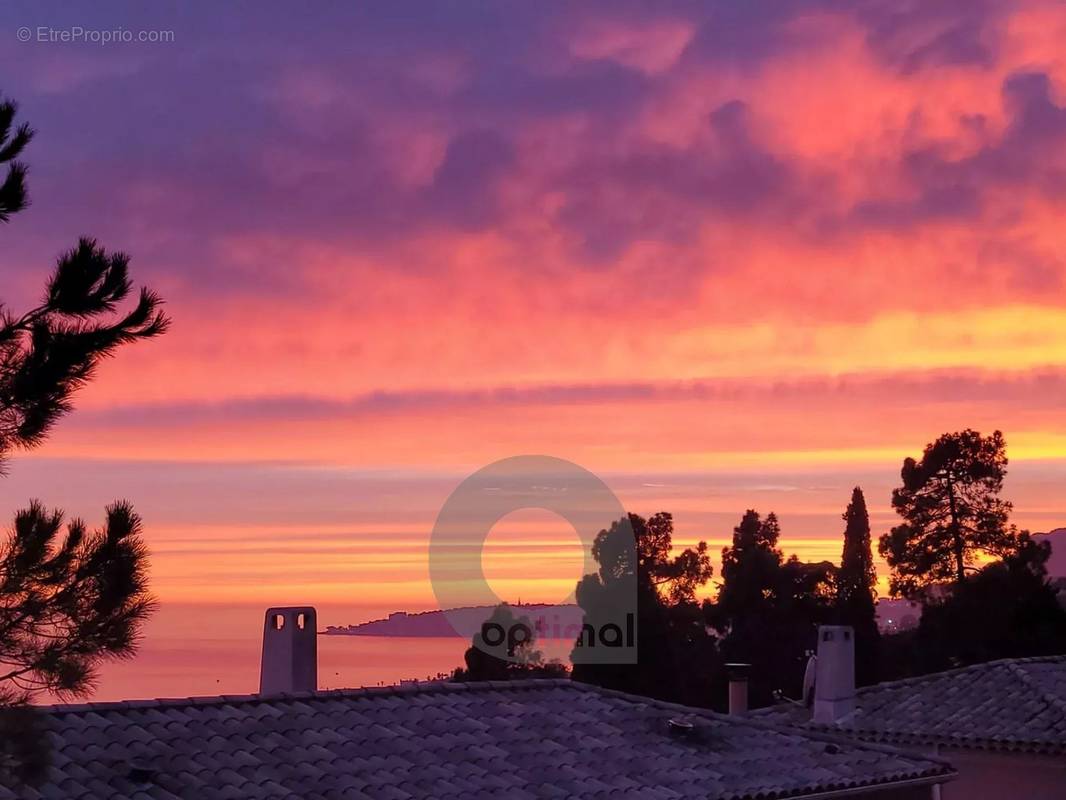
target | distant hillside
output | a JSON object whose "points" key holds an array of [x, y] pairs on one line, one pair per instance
{"points": [[548, 621], [565, 621], [1056, 565]]}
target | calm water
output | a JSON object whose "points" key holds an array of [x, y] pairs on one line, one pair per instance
{"points": [[191, 650], [206, 650], [208, 666]]}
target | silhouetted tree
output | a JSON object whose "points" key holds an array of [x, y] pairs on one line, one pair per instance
{"points": [[855, 582], [65, 601], [750, 566], [768, 609], [951, 511], [676, 654], [505, 648], [13, 196], [1008, 609], [49, 352], [68, 599], [857, 576]]}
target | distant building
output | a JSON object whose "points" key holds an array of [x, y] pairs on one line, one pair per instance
{"points": [[517, 740], [1002, 725], [896, 616]]}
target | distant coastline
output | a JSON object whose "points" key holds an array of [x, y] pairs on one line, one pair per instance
{"points": [[549, 621]]}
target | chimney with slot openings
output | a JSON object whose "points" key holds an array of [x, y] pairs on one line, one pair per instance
{"points": [[290, 651]]}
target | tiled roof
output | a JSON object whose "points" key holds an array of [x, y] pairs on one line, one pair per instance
{"points": [[520, 739], [1013, 705]]}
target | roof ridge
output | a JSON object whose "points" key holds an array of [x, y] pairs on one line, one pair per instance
{"points": [[1025, 731], [424, 687], [777, 727], [932, 766], [929, 676], [292, 741]]}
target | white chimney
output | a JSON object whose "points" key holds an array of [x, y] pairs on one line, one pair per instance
{"points": [[290, 651], [738, 687], [834, 684]]}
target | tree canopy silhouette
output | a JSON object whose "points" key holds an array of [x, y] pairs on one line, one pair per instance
{"points": [[750, 566], [951, 511], [857, 575], [1007, 609], [52, 350], [674, 650], [855, 588], [676, 578], [13, 197], [768, 608], [505, 648], [68, 597]]}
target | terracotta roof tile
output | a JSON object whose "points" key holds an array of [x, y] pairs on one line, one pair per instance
{"points": [[1011, 704], [523, 739]]}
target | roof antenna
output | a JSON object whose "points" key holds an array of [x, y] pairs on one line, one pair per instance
{"points": [[809, 678]]}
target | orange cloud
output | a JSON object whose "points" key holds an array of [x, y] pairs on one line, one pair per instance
{"points": [[724, 238]]}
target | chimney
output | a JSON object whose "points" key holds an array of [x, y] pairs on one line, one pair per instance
{"points": [[834, 683], [738, 687], [290, 651]]}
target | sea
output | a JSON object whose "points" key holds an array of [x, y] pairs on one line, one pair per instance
{"points": [[195, 650]]}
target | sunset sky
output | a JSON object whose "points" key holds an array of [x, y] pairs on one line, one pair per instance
{"points": [[725, 255]]}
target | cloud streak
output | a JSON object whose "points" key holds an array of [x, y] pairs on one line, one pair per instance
{"points": [[1041, 390], [654, 238]]}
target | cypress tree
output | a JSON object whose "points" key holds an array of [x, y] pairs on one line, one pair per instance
{"points": [[856, 595]]}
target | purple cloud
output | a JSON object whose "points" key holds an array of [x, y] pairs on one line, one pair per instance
{"points": [[174, 151], [1042, 389]]}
